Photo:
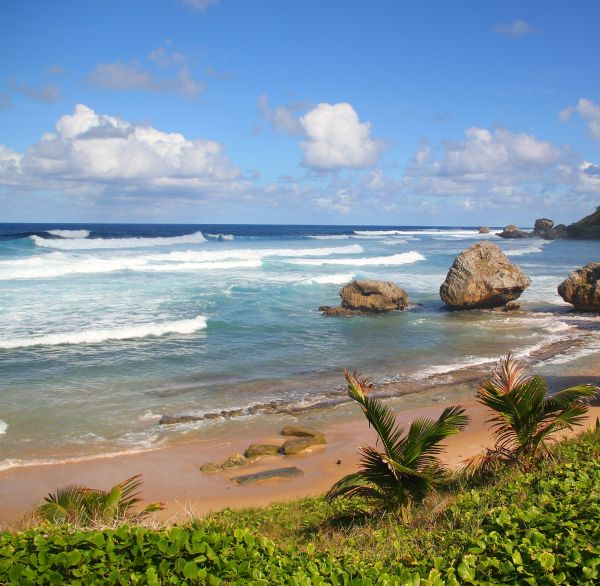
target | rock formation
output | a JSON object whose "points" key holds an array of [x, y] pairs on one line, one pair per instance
{"points": [[369, 296], [586, 228], [484, 230], [512, 231], [582, 288], [482, 277]]}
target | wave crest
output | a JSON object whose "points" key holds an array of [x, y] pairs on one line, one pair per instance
{"points": [[184, 326], [393, 260], [95, 243], [69, 233]]}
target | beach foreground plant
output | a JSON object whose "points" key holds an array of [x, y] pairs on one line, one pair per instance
{"points": [[524, 420], [83, 506], [407, 469]]}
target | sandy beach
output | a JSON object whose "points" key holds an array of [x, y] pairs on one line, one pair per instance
{"points": [[172, 474]]}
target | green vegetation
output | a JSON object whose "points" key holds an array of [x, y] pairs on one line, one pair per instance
{"points": [[408, 468], [541, 527], [83, 506], [534, 519], [588, 227], [523, 419]]}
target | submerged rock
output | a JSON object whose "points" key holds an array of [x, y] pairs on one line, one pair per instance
{"points": [[232, 462], [582, 288], [339, 311], [368, 296], [273, 474], [482, 277], [297, 444], [300, 431], [256, 450], [173, 419]]}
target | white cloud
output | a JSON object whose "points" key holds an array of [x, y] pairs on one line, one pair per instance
{"points": [[283, 119], [337, 139], [199, 5], [97, 154], [587, 110], [131, 76], [48, 93], [517, 28]]}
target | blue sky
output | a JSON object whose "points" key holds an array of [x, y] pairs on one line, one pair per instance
{"points": [[283, 111]]}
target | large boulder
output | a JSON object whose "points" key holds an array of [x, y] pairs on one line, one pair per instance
{"points": [[512, 231], [582, 288], [368, 296], [482, 277], [484, 230], [373, 296], [586, 228], [543, 228]]}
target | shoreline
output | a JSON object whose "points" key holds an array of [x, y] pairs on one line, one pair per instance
{"points": [[171, 474]]}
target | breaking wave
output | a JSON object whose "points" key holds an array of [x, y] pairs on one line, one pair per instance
{"points": [[3, 427], [73, 243], [69, 233], [220, 236], [395, 259], [184, 326], [337, 279]]}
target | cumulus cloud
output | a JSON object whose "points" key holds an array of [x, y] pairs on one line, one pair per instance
{"points": [[588, 110], [98, 154], [517, 28], [132, 76], [199, 5], [337, 139], [495, 162]]}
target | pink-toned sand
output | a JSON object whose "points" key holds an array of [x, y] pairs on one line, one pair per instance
{"points": [[172, 474]]}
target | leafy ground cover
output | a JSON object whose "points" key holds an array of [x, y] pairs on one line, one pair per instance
{"points": [[539, 527]]}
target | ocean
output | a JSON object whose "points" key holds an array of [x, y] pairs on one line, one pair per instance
{"points": [[105, 328]]}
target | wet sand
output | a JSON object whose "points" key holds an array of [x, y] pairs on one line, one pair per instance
{"points": [[172, 474]]}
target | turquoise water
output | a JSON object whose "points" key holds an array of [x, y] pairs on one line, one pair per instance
{"points": [[104, 328]]}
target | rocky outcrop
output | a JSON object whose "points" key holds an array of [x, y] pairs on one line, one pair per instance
{"points": [[512, 231], [273, 474], [302, 438], [586, 228], [369, 296], [257, 450], [582, 288], [484, 230], [232, 462], [546, 229], [482, 277], [543, 228]]}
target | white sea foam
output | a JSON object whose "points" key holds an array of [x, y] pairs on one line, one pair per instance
{"points": [[252, 253], [184, 326], [590, 349], [70, 233], [331, 237], [337, 279], [221, 236], [393, 260], [377, 232], [3, 427], [532, 248], [96, 243]]}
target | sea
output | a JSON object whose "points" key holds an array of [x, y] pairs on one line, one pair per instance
{"points": [[106, 328]]}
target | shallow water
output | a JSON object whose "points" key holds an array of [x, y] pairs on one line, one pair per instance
{"points": [[104, 328]]}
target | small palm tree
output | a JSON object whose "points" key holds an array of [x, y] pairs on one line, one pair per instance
{"points": [[80, 505], [524, 420], [407, 469]]}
